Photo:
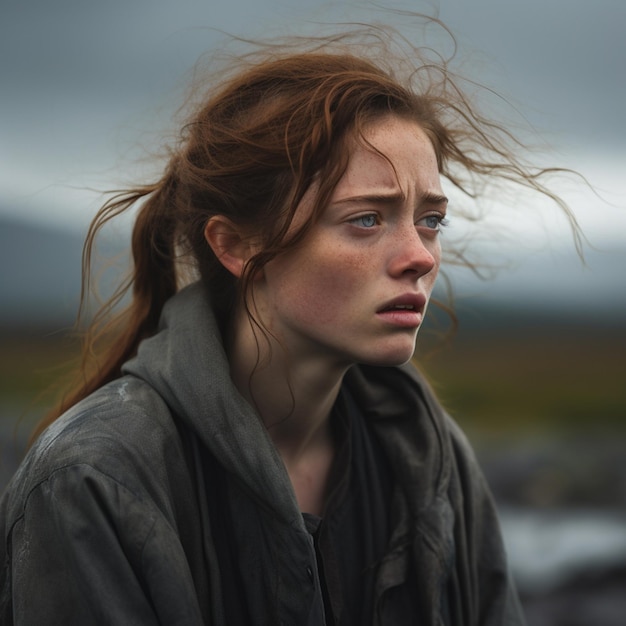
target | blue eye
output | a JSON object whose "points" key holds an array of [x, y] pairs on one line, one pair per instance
{"points": [[366, 221], [434, 222]]}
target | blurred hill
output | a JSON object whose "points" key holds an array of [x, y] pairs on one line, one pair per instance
{"points": [[40, 283], [41, 273], [40, 278]]}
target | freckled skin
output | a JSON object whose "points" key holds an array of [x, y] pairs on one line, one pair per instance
{"points": [[323, 299]]}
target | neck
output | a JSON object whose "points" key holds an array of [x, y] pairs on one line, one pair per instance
{"points": [[293, 395]]}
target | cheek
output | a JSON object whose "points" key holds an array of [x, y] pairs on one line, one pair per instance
{"points": [[326, 286], [428, 280], [437, 256]]}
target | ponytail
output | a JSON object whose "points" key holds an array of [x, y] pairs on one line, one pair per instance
{"points": [[111, 339]]}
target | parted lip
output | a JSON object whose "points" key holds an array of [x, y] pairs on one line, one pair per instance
{"points": [[415, 301]]}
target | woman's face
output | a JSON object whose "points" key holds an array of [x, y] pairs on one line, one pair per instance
{"points": [[356, 289]]}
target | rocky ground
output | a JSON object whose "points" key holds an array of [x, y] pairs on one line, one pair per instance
{"points": [[563, 502]]}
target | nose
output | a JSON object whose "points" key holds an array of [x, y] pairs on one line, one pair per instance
{"points": [[414, 254]]}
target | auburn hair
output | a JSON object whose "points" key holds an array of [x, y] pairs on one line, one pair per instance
{"points": [[281, 118]]}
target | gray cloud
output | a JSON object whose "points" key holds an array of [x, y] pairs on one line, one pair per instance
{"points": [[85, 82], [82, 81], [563, 59]]}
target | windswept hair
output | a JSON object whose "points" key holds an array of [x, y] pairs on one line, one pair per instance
{"points": [[279, 118]]}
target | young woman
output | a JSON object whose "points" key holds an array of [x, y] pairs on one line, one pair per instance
{"points": [[254, 447]]}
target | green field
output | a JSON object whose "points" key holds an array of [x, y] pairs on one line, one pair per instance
{"points": [[513, 377], [532, 378]]}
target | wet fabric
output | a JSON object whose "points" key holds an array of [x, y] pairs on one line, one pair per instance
{"points": [[107, 521]]}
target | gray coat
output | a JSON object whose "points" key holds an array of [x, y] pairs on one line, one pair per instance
{"points": [[107, 522]]}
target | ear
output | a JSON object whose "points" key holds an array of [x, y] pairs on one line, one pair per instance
{"points": [[228, 243]]}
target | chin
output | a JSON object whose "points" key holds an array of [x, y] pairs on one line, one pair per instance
{"points": [[390, 358]]}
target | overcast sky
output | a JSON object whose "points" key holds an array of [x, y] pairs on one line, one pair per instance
{"points": [[86, 83]]}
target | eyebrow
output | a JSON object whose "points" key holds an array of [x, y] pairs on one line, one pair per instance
{"points": [[434, 198], [392, 198]]}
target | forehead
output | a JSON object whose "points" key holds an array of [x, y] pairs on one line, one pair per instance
{"points": [[392, 154]]}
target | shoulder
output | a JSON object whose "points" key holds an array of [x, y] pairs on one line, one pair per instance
{"points": [[122, 434], [124, 422]]}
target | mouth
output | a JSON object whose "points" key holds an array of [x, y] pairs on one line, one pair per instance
{"points": [[407, 302], [398, 307], [405, 311]]}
